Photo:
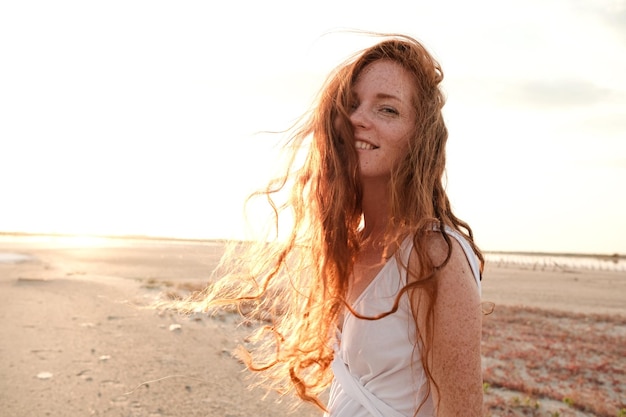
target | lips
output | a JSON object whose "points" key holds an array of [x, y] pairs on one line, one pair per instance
{"points": [[359, 144]]}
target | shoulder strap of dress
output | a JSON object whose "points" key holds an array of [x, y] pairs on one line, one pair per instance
{"points": [[472, 259]]}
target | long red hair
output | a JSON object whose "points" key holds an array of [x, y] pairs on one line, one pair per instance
{"points": [[298, 284]]}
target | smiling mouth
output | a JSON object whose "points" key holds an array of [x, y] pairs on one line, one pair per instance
{"points": [[359, 144]]}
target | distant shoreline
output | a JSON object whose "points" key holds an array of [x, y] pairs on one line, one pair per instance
{"points": [[120, 237], [604, 256]]}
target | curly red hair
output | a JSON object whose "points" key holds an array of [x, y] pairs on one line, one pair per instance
{"points": [[299, 284]]}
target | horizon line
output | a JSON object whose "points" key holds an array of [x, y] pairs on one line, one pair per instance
{"points": [[608, 256]]}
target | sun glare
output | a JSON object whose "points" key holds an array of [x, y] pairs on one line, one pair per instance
{"points": [[79, 241]]}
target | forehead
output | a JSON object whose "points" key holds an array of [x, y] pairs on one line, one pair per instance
{"points": [[385, 77]]}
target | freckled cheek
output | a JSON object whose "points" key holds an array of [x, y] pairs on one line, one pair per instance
{"points": [[400, 148], [401, 138]]}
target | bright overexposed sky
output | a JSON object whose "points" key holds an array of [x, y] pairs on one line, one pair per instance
{"points": [[142, 117]]}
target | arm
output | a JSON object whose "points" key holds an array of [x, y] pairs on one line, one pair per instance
{"points": [[456, 362]]}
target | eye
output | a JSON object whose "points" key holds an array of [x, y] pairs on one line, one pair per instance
{"points": [[353, 105], [389, 110]]}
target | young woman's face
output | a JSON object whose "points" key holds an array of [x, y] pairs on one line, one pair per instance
{"points": [[383, 117]]}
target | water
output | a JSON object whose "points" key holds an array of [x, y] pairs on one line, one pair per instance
{"points": [[13, 258]]}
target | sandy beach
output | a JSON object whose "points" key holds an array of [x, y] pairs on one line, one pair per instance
{"points": [[76, 338]]}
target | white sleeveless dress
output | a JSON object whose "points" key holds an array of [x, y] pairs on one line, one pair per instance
{"points": [[376, 368]]}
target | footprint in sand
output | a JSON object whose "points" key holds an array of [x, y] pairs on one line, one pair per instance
{"points": [[135, 407], [120, 400], [110, 383], [85, 375]]}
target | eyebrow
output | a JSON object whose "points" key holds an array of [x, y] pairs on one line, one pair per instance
{"points": [[388, 96]]}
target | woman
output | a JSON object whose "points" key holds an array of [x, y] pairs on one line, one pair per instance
{"points": [[376, 289]]}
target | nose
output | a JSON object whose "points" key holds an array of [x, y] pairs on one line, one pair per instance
{"points": [[358, 118]]}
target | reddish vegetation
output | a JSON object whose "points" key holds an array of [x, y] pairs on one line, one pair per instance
{"points": [[546, 363]]}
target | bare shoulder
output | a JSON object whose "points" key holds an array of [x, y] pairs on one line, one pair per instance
{"points": [[458, 292], [455, 365]]}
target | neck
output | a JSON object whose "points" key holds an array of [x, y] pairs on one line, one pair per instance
{"points": [[377, 240], [375, 206]]}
